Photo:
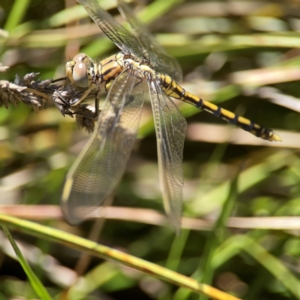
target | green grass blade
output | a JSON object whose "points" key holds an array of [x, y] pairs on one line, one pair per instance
{"points": [[176, 250], [17, 13], [115, 255], [95, 278], [205, 203], [217, 235], [35, 282], [238, 243]]}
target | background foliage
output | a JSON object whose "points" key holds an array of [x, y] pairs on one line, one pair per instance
{"points": [[243, 55]]}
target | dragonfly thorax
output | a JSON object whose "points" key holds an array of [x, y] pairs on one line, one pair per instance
{"points": [[142, 69]]}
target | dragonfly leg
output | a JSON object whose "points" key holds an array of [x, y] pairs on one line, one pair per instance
{"points": [[84, 96], [92, 116], [75, 104], [66, 108], [58, 79]]}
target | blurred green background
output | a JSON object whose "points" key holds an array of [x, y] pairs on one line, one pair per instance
{"points": [[243, 55]]}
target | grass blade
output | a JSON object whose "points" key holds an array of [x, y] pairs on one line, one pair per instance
{"points": [[35, 282]]}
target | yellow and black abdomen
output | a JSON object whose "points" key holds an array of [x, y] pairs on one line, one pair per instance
{"points": [[173, 89]]}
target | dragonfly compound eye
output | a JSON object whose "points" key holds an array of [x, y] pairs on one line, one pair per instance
{"points": [[80, 75]]}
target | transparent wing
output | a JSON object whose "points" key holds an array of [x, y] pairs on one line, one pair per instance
{"points": [[140, 42], [156, 54], [124, 39], [102, 162], [170, 126]]}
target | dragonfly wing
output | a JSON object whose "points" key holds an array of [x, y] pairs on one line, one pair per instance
{"points": [[102, 162], [156, 54], [170, 128], [124, 39]]}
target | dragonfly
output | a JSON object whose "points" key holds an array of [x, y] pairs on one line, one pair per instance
{"points": [[141, 71]]}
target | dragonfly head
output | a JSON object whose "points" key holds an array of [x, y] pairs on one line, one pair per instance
{"points": [[79, 70]]}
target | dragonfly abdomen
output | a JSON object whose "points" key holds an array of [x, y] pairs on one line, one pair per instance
{"points": [[173, 89]]}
